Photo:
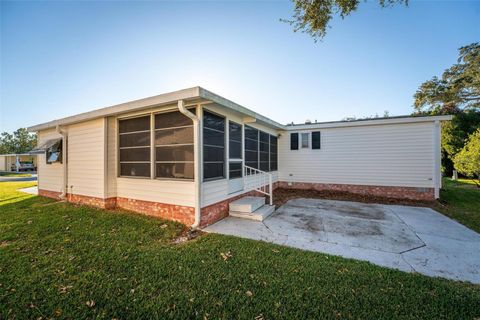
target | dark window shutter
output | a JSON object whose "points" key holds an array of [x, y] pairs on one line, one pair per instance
{"points": [[316, 140], [293, 141]]}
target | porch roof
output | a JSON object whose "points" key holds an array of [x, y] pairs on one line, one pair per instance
{"points": [[190, 96]]}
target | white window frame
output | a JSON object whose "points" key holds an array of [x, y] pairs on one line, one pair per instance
{"points": [[154, 146], [302, 135], [119, 175]]}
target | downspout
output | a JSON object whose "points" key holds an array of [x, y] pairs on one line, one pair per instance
{"points": [[196, 165], [63, 133]]}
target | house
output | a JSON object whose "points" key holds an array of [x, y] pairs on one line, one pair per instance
{"points": [[18, 162], [187, 154]]}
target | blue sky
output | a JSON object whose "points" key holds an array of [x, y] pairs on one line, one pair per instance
{"points": [[62, 58]]}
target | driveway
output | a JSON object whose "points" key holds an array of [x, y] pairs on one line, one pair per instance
{"points": [[33, 177], [412, 239]]}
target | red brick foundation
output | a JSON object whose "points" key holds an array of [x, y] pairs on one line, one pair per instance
{"points": [[49, 194], [412, 193], [182, 214], [108, 203], [217, 211]]}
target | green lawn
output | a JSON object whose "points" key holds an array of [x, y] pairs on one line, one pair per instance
{"points": [[460, 200], [15, 174], [63, 261]]}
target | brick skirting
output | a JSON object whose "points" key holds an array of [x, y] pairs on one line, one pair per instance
{"points": [[182, 214], [217, 211], [49, 194], [108, 203], [412, 193]]}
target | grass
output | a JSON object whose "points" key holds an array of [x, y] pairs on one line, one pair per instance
{"points": [[58, 260], [460, 200], [14, 174]]}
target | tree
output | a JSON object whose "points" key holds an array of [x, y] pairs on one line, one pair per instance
{"points": [[458, 88], [467, 161], [313, 16], [20, 141], [456, 93]]}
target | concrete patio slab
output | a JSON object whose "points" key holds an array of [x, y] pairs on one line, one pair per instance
{"points": [[410, 239]]}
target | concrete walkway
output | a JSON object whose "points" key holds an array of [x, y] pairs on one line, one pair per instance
{"points": [[30, 190], [411, 239]]}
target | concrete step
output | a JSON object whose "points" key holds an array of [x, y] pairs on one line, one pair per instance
{"points": [[259, 215], [246, 204]]}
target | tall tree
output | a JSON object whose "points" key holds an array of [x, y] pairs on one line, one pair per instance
{"points": [[313, 16], [20, 141], [458, 88], [456, 93]]}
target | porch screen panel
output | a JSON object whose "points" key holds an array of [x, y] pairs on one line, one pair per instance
{"points": [[235, 150], [213, 146], [174, 155], [264, 151], [251, 147], [134, 147], [273, 153]]}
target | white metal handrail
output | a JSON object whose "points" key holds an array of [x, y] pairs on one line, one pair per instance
{"points": [[258, 180]]}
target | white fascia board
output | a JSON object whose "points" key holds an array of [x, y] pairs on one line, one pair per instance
{"points": [[372, 122], [238, 108], [163, 99]]}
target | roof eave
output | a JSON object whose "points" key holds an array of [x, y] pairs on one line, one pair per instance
{"points": [[368, 122], [159, 100], [208, 95]]}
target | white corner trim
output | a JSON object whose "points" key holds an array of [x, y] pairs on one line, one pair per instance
{"points": [[437, 167]]}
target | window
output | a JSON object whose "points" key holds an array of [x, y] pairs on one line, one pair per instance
{"points": [[316, 140], [134, 145], [264, 151], [235, 150], [273, 154], [251, 147], [213, 146], [294, 141], [54, 153], [305, 140], [174, 155]]}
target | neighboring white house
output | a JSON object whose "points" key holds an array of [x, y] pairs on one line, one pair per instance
{"points": [[185, 155], [18, 162]]}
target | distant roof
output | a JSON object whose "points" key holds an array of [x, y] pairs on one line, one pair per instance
{"points": [[364, 122], [200, 95]]}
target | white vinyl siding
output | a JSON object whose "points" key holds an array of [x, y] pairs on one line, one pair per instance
{"points": [[50, 176], [164, 191], [86, 158], [383, 155]]}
